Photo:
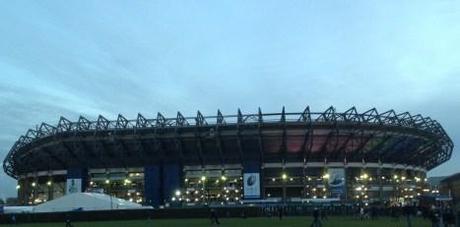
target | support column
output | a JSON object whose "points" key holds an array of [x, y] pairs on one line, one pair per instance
{"points": [[24, 191], [152, 185], [50, 191], [252, 180], [76, 180], [380, 180], [171, 181]]}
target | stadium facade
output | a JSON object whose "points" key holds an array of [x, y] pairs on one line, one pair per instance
{"points": [[262, 157]]}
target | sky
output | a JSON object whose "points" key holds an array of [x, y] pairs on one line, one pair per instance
{"points": [[71, 58]]}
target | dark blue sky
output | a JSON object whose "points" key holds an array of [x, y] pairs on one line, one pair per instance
{"points": [[108, 57]]}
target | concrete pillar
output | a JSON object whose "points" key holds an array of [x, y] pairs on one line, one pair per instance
{"points": [[152, 185], [171, 180], [50, 191]]}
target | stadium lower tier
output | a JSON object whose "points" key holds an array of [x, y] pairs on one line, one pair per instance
{"points": [[175, 185]]}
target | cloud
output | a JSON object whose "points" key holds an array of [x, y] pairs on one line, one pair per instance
{"points": [[88, 58]]}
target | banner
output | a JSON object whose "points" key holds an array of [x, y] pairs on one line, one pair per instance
{"points": [[336, 182], [73, 186], [251, 185]]}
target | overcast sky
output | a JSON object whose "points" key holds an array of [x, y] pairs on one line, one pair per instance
{"points": [[108, 57]]}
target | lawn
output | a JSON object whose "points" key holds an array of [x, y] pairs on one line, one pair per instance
{"points": [[250, 222]]}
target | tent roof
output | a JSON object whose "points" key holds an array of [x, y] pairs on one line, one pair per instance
{"points": [[85, 201]]}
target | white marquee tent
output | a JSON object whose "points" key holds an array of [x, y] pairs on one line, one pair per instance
{"points": [[85, 201]]}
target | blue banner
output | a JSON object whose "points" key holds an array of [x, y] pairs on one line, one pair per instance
{"points": [[336, 182]]}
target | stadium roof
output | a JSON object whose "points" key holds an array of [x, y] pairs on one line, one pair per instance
{"points": [[370, 136]]}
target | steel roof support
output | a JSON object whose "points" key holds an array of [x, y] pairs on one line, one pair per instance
{"points": [[340, 150], [238, 135], [81, 145], [378, 146], [122, 149], [83, 124], [220, 118], [180, 122], [199, 121], [161, 121], [64, 125], [370, 120], [305, 117], [358, 152], [69, 151], [260, 122], [219, 144], [102, 123], [54, 158], [323, 149], [239, 117], [390, 150], [122, 122], [283, 147], [145, 156]]}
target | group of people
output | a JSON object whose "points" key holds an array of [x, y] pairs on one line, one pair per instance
{"points": [[439, 216]]}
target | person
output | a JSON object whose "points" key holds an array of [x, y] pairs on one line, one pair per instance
{"points": [[434, 217], [407, 210], [323, 214], [395, 212], [214, 218], [68, 222], [316, 220], [449, 217], [13, 219], [243, 214], [361, 213], [280, 212], [373, 212]]}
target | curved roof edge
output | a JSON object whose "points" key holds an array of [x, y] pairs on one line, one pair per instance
{"points": [[371, 116]]}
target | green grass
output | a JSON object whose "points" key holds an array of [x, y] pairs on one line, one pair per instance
{"points": [[250, 222]]}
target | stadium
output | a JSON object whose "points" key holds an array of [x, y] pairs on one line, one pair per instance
{"points": [[232, 159]]}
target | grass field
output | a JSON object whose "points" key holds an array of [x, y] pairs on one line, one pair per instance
{"points": [[250, 222]]}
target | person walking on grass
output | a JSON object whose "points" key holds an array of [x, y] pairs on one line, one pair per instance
{"points": [[323, 214], [68, 222], [362, 213], [280, 212], [13, 220], [434, 217], [214, 217], [407, 211], [316, 218]]}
